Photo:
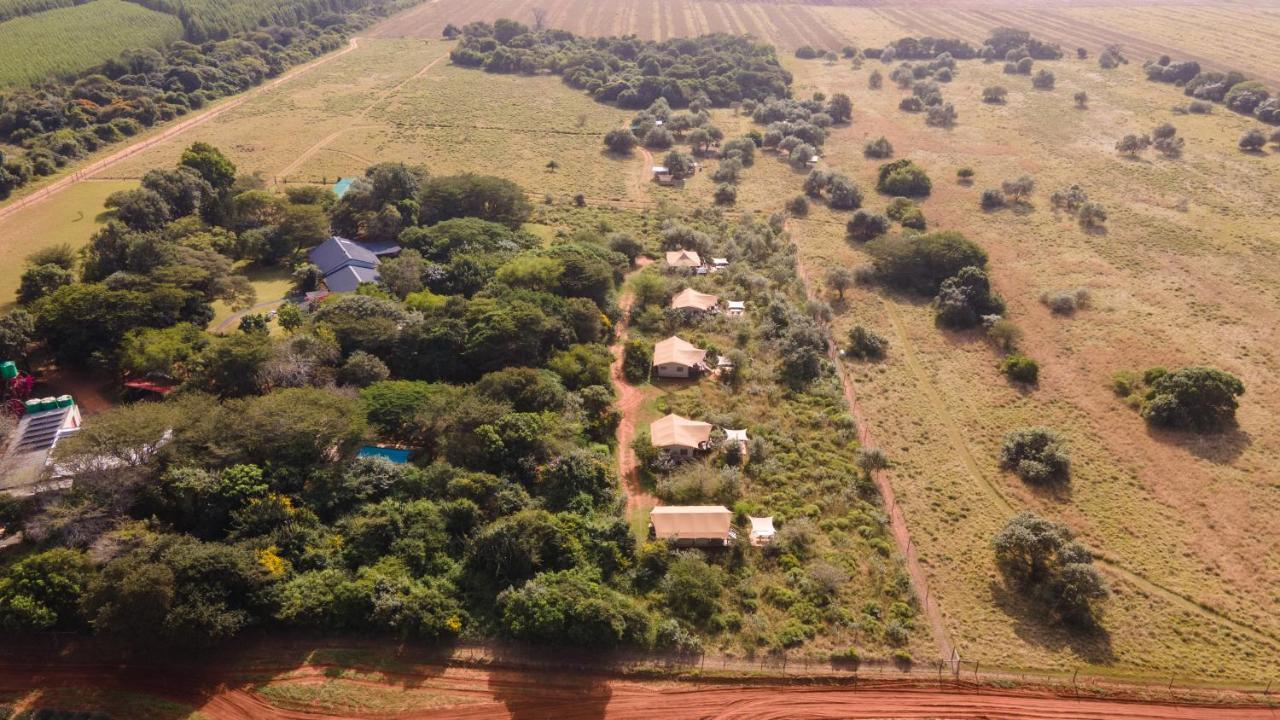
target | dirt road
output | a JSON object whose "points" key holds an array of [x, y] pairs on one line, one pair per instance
{"points": [[463, 693], [167, 133], [630, 399]]}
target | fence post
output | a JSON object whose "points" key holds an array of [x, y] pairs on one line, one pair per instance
{"points": [[1073, 683]]}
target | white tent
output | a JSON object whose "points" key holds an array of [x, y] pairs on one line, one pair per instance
{"points": [[762, 531]]}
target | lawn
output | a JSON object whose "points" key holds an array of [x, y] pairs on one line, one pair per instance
{"points": [[71, 216], [66, 41]]}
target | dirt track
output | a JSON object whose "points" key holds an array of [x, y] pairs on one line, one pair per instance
{"points": [[481, 694]]}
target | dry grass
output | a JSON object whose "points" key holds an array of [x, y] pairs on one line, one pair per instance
{"points": [[367, 695], [1170, 287]]}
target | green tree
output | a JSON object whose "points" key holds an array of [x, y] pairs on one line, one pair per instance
{"points": [[573, 608], [1037, 455], [840, 279], [477, 196], [922, 262], [1201, 399], [637, 359], [362, 370], [211, 164], [582, 365], [903, 178], [1041, 559], [691, 588], [41, 591], [620, 140], [167, 351], [17, 330], [511, 550], [40, 280]]}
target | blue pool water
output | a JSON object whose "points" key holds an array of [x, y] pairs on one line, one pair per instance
{"points": [[341, 187], [395, 455]]}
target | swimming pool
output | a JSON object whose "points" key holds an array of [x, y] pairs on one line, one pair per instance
{"points": [[395, 455]]}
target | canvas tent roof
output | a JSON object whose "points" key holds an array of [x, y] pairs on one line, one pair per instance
{"points": [[735, 435], [347, 279], [690, 298], [683, 258], [691, 522], [335, 253], [680, 352], [762, 530], [737, 304], [676, 431]]}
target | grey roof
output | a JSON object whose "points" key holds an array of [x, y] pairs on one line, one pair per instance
{"points": [[382, 247], [347, 279], [336, 252]]}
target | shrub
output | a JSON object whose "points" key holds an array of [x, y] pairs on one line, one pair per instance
{"points": [[865, 226], [1082, 99], [1037, 455], [1201, 399], [806, 52], [1199, 107], [726, 194], [995, 94], [1130, 145], [1020, 368], [637, 357], [965, 298], [1065, 302], [992, 199], [1043, 80], [620, 140], [910, 104], [965, 174], [1253, 140], [904, 178], [941, 116], [1019, 189], [865, 344], [1004, 334], [1092, 215], [798, 206], [880, 148]]}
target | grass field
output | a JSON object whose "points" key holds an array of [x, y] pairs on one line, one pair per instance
{"points": [[69, 40], [1171, 287], [1186, 273], [355, 695], [70, 217]]}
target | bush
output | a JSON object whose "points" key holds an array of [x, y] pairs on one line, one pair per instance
{"points": [[943, 116], [904, 178], [726, 194], [1092, 215], [621, 141], [798, 206], [1037, 455], [1020, 368], [865, 344], [865, 226], [879, 149], [1066, 302], [965, 174], [1004, 334], [637, 358], [1199, 107], [910, 104], [1253, 140], [992, 199], [1201, 399], [966, 298], [1043, 80], [995, 94]]}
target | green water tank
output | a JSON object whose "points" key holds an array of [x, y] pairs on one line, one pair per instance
{"points": [[8, 370], [65, 401], [33, 406], [49, 403]]}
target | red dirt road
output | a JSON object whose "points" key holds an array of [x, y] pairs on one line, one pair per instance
{"points": [[630, 398], [484, 694]]}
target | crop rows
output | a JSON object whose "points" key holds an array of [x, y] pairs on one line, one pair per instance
{"points": [[68, 40]]}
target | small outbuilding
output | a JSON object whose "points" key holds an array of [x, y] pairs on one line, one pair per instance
{"points": [[662, 175], [683, 259], [692, 525], [735, 308], [693, 300], [680, 435], [676, 358], [719, 263]]}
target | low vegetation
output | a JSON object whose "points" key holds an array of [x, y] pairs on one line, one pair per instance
{"points": [[1042, 561], [1198, 399], [1037, 455]]}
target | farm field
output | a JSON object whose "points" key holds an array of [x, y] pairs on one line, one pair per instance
{"points": [[1171, 287], [68, 40]]}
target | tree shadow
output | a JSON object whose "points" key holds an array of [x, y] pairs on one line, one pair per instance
{"points": [[1021, 207], [1092, 645], [1095, 230], [1220, 448], [531, 695]]}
